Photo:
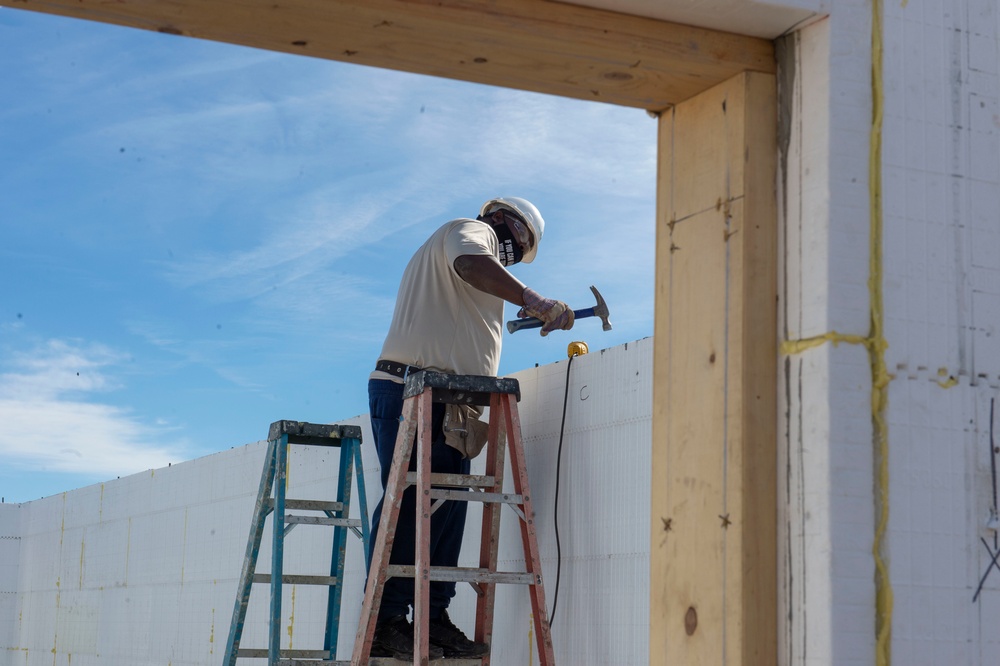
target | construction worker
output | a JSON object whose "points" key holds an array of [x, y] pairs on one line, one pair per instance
{"points": [[448, 318]]}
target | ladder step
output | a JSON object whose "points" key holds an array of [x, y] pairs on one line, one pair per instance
{"points": [[297, 579], [468, 575], [374, 661], [486, 498], [313, 433], [389, 661], [307, 505], [459, 389], [311, 657], [261, 653], [318, 520], [455, 480]]}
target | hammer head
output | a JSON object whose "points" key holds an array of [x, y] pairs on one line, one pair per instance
{"points": [[601, 309]]}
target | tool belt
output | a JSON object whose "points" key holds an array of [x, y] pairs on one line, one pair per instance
{"points": [[463, 430], [400, 370]]}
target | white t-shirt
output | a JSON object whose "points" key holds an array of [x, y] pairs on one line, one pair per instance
{"points": [[441, 322]]}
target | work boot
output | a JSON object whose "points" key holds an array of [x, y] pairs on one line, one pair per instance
{"points": [[394, 638], [450, 638]]}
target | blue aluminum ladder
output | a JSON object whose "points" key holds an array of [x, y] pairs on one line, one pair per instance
{"points": [[280, 435]]}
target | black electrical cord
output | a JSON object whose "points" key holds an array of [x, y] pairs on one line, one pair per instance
{"points": [[562, 429], [993, 469]]}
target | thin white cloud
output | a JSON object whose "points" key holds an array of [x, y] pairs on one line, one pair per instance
{"points": [[325, 228], [52, 423], [484, 141]]}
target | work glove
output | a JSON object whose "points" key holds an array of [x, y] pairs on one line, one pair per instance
{"points": [[555, 314]]}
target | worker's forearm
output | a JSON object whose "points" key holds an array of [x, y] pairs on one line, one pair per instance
{"points": [[486, 274]]}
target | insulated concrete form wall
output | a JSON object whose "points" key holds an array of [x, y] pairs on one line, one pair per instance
{"points": [[941, 170], [886, 506], [142, 571], [10, 560]]}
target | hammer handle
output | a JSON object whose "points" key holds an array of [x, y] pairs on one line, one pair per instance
{"points": [[530, 322]]}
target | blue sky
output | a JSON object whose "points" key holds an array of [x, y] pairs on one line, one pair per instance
{"points": [[198, 239]]}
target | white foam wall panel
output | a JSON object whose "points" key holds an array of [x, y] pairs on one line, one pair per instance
{"points": [[941, 496], [941, 287], [942, 188], [142, 571], [942, 295], [10, 550], [825, 462], [602, 612]]}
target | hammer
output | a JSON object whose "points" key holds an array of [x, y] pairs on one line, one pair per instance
{"points": [[599, 310]]}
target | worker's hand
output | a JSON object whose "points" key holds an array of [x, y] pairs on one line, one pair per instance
{"points": [[556, 314]]}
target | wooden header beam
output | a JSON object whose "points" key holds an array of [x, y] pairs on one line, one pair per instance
{"points": [[534, 45]]}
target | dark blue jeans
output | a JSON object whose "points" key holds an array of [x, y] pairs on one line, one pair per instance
{"points": [[385, 402]]}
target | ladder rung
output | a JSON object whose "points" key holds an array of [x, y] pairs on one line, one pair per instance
{"points": [[316, 657], [297, 579], [308, 505], [261, 653], [389, 661], [455, 480], [466, 496], [318, 520], [469, 575], [374, 661]]}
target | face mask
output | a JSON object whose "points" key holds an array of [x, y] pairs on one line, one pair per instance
{"points": [[510, 251]]}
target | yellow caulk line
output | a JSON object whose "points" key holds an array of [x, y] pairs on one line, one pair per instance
{"points": [[531, 640], [876, 345], [291, 620], [789, 347], [880, 377]]}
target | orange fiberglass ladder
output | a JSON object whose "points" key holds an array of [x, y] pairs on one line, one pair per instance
{"points": [[421, 390]]}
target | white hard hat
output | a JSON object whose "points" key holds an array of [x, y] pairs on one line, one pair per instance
{"points": [[525, 210]]}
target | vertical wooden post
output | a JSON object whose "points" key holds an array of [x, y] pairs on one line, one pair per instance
{"points": [[713, 507]]}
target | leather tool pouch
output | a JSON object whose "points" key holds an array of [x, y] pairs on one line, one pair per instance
{"points": [[463, 430]]}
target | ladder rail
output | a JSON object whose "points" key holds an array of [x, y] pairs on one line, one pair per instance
{"points": [[338, 555], [362, 503], [395, 485], [422, 560], [261, 509], [490, 536], [277, 548]]}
